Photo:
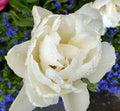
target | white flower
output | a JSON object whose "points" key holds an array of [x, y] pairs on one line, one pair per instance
{"points": [[110, 11], [62, 50]]}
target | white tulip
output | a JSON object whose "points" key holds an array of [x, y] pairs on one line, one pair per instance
{"points": [[63, 49], [110, 11]]}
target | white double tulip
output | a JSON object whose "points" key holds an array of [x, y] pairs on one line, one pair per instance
{"points": [[62, 50], [110, 11]]}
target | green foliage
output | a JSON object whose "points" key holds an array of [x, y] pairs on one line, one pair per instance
{"points": [[20, 21], [19, 5], [92, 87]]}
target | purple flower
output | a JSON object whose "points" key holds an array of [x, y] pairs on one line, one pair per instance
{"points": [[5, 23], [5, 16]]}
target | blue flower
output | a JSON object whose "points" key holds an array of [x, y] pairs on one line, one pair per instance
{"points": [[60, 100], [114, 89], [56, 4], [116, 66], [10, 32], [71, 4], [15, 42], [5, 23], [111, 32], [65, 11], [8, 47], [26, 33], [25, 39], [114, 83], [1, 78], [5, 16], [8, 83], [16, 28], [3, 108], [2, 51], [9, 98], [24, 15], [117, 54], [0, 92], [2, 39]]}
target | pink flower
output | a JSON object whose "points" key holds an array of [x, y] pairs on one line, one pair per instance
{"points": [[3, 4]]}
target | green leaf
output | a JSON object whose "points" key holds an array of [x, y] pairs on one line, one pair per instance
{"points": [[19, 5], [20, 21], [31, 1], [11, 91], [2, 97], [46, 3], [85, 80], [92, 87]]}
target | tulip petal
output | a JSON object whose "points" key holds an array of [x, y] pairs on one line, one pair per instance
{"points": [[39, 94], [117, 2], [77, 101], [49, 47], [66, 29], [92, 17], [106, 7], [106, 62], [39, 76], [67, 50], [21, 102], [16, 58], [82, 64], [53, 75], [99, 3], [39, 14]]}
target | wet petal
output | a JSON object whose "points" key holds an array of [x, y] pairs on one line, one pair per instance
{"points": [[39, 76], [92, 17], [21, 102], [39, 94], [53, 75], [106, 62], [67, 50], [66, 29], [39, 14], [49, 54], [109, 12], [77, 101], [82, 64], [71, 69], [99, 3], [16, 58]]}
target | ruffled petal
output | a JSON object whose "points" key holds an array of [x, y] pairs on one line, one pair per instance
{"points": [[40, 95], [106, 62], [39, 14], [99, 3], [109, 11], [39, 76], [49, 54], [67, 50], [66, 29], [91, 18], [21, 102], [77, 101], [16, 58], [82, 64], [38, 88]]}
